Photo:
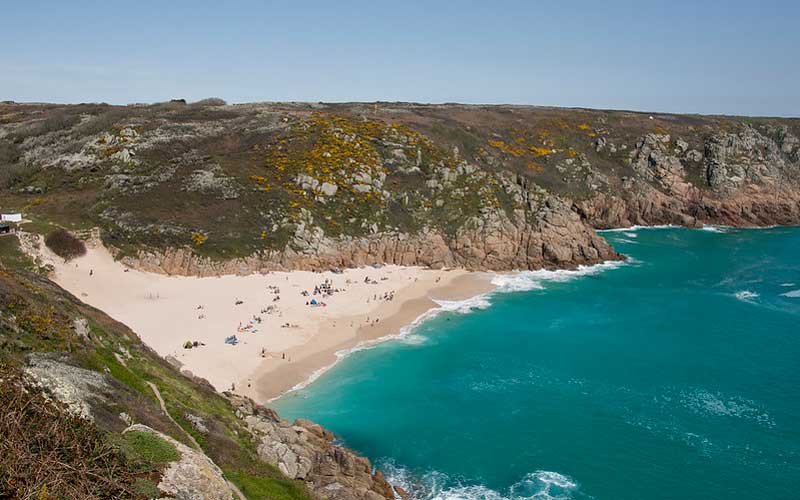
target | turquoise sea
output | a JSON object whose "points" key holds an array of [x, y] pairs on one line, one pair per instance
{"points": [[673, 375]]}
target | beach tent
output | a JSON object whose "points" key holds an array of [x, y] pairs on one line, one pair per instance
{"points": [[313, 302], [11, 217]]}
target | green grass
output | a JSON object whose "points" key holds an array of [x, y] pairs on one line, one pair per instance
{"points": [[147, 449], [11, 254], [146, 488], [259, 487], [101, 358]]}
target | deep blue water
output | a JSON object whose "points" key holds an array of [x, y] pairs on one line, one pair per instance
{"points": [[675, 375]]}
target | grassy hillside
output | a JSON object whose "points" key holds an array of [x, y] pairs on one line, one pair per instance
{"points": [[229, 181], [44, 325]]}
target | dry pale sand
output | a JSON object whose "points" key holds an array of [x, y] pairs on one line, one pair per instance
{"points": [[271, 357]]}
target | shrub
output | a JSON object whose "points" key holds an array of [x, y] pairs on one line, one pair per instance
{"points": [[9, 153], [47, 452], [211, 101], [199, 239], [11, 175], [65, 244]]}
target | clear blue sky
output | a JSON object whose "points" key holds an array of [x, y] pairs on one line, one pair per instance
{"points": [[703, 56]]}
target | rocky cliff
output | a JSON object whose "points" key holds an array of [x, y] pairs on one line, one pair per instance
{"points": [[209, 188], [750, 178], [559, 238]]}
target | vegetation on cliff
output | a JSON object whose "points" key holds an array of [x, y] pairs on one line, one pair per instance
{"points": [[231, 181], [54, 347], [65, 244]]}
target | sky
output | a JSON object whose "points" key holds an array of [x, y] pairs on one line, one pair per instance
{"points": [[721, 57]]}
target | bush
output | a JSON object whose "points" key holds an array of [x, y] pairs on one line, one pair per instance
{"points": [[46, 452], [9, 153], [64, 244], [211, 101], [12, 175]]}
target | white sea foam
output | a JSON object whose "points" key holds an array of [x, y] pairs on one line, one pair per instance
{"points": [[631, 235], [715, 229], [787, 284], [463, 306], [719, 405], [746, 295], [535, 280], [792, 294], [538, 485], [637, 228], [415, 339]]}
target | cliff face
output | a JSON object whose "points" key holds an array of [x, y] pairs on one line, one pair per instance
{"points": [[210, 189], [750, 178], [559, 238]]}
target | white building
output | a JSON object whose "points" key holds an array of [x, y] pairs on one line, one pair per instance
{"points": [[11, 217]]}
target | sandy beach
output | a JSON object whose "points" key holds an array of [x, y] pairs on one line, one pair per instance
{"points": [[288, 326]]}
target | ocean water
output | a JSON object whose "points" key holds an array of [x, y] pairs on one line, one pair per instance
{"points": [[673, 375]]}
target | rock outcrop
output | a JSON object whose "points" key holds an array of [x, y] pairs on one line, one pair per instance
{"points": [[305, 451], [557, 238], [192, 477], [749, 178], [73, 386]]}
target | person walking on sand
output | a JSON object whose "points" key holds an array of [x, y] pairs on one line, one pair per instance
{"points": [[91, 272]]}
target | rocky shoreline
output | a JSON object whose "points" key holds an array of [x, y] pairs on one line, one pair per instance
{"points": [[305, 451]]}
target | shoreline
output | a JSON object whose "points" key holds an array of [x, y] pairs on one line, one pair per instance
{"points": [[273, 381], [289, 327], [288, 348]]}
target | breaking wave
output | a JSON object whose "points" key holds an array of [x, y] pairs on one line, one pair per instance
{"points": [[535, 280], [792, 294], [538, 485], [636, 228], [715, 229], [746, 295]]}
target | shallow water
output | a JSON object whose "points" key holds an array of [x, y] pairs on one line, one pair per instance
{"points": [[674, 375]]}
